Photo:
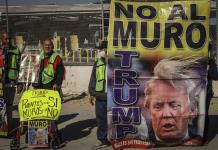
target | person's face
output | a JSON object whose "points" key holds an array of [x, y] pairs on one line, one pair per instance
{"points": [[47, 46], [103, 54], [169, 110], [5, 40]]}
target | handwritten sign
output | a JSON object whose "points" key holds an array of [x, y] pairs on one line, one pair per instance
{"points": [[39, 104]]}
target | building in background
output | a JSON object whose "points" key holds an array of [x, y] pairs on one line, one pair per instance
{"points": [[29, 25], [63, 22], [72, 27]]}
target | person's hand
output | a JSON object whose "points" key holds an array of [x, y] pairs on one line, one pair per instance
{"points": [[19, 88], [56, 87], [92, 100]]}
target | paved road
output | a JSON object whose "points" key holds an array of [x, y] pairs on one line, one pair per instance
{"points": [[78, 126]]}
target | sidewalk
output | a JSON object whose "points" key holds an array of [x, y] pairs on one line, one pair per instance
{"points": [[78, 126]]}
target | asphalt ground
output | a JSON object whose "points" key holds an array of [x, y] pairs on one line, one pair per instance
{"points": [[78, 127]]}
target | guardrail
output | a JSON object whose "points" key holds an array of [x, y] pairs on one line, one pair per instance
{"points": [[81, 56]]}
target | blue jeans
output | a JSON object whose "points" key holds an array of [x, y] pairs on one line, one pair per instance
{"points": [[9, 96], [101, 118]]}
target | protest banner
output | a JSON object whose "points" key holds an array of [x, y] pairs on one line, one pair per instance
{"points": [[3, 118], [157, 71], [3, 114]]}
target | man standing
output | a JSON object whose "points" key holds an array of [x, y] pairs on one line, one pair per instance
{"points": [[52, 72], [51, 68], [11, 63], [97, 90]]}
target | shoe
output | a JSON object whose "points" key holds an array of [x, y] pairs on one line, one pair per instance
{"points": [[205, 142], [10, 136], [99, 145]]}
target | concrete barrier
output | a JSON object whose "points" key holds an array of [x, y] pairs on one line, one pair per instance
{"points": [[77, 79]]}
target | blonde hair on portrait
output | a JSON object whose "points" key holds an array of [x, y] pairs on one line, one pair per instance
{"points": [[176, 73]]}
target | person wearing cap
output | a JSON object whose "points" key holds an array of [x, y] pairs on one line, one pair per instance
{"points": [[97, 90]]}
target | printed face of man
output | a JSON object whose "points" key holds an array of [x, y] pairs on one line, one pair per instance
{"points": [[47, 46], [169, 109], [40, 136]]}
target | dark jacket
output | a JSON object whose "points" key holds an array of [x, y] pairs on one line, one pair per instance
{"points": [[98, 95], [212, 75]]}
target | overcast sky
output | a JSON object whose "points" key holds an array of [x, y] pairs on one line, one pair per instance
{"points": [[42, 2]]}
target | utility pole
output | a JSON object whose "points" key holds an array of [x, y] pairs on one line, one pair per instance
{"points": [[7, 25], [216, 30]]}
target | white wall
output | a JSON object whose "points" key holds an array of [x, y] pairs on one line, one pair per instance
{"points": [[77, 79]]}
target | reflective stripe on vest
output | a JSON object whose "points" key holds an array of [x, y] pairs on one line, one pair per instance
{"points": [[100, 76], [48, 72], [13, 68]]}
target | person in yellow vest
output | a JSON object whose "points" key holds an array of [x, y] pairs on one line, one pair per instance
{"points": [[51, 68], [97, 90], [51, 72], [11, 63]]}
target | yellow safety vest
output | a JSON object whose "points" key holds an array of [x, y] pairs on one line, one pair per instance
{"points": [[100, 76], [48, 72], [13, 63]]}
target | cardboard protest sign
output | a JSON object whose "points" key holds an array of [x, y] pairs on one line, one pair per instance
{"points": [[157, 72], [39, 104]]}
